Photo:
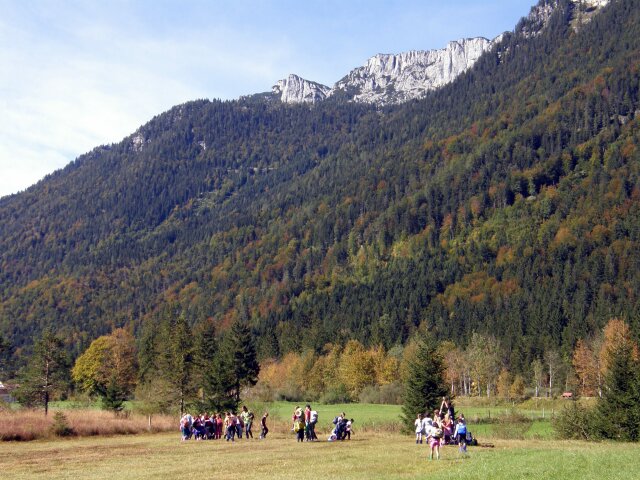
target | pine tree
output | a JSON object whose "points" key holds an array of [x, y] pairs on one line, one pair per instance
{"points": [[182, 360], [114, 397], [618, 411], [5, 350], [238, 355], [46, 374], [425, 385]]}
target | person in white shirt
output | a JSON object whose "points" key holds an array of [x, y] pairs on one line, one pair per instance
{"points": [[419, 428]]}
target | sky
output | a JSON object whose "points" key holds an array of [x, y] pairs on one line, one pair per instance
{"points": [[76, 74]]}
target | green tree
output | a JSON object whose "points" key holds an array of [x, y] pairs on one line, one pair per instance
{"points": [[425, 384], [46, 373], [618, 411], [239, 358], [5, 352], [181, 363]]}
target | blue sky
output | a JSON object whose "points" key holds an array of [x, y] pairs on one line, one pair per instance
{"points": [[77, 74]]}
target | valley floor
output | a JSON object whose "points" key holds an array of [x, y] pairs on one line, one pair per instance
{"points": [[366, 456]]}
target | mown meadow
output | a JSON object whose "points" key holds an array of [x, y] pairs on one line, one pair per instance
{"points": [[366, 456], [510, 448]]}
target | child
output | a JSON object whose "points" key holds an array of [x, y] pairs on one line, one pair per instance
{"points": [[263, 424], [460, 434], [348, 430], [299, 429], [419, 428], [434, 436]]}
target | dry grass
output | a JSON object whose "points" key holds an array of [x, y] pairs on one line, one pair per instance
{"points": [[372, 456], [24, 425]]}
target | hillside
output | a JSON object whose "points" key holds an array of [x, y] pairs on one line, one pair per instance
{"points": [[506, 202]]}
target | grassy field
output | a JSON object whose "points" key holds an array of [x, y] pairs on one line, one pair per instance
{"points": [[374, 455]]}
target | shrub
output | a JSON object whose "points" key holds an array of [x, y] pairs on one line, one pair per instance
{"points": [[512, 427], [390, 394], [60, 426], [575, 422], [335, 395]]}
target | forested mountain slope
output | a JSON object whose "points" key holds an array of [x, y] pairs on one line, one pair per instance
{"points": [[506, 202]]}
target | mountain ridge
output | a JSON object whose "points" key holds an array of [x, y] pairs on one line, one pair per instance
{"points": [[505, 202]]}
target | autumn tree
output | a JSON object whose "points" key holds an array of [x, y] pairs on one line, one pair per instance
{"points": [[46, 373], [108, 368], [516, 390], [616, 333], [483, 353], [586, 366], [503, 385], [538, 376], [356, 369]]}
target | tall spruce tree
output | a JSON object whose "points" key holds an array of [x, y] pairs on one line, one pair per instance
{"points": [[46, 373], [5, 352], [181, 363], [239, 354], [425, 385], [618, 411]]}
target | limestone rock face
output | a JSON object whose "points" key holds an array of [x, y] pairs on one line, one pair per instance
{"points": [[396, 78], [295, 89]]}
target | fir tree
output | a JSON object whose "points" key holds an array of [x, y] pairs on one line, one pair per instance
{"points": [[182, 362], [113, 397], [239, 359], [425, 385], [46, 374], [618, 411]]}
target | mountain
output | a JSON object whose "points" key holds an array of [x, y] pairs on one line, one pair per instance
{"points": [[397, 78], [390, 79], [505, 202], [294, 89]]}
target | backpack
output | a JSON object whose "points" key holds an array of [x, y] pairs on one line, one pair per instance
{"points": [[438, 433]]}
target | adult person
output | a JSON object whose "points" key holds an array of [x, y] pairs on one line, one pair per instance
{"points": [[447, 407], [247, 418], [313, 420]]}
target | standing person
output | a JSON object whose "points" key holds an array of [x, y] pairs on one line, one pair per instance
{"points": [[247, 418], [230, 425], [297, 413], [419, 428], [348, 429], [460, 434], [263, 424], [312, 425], [434, 436], [239, 426], [219, 426], [185, 426], [299, 429], [447, 427], [307, 421], [447, 407]]}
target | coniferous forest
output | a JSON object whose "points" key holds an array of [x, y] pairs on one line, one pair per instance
{"points": [[505, 205]]}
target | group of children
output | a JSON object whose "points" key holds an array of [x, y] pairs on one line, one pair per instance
{"points": [[304, 424], [214, 426], [440, 429], [342, 429]]}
